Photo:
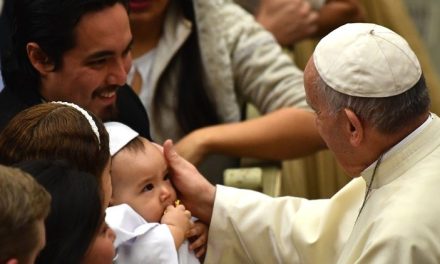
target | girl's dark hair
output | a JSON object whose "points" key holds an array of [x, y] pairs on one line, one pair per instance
{"points": [[195, 108], [76, 210], [49, 23]]}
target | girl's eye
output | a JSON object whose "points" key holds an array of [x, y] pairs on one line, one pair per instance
{"points": [[104, 228], [148, 187]]}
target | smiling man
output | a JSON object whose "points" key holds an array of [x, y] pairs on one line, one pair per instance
{"points": [[71, 50]]}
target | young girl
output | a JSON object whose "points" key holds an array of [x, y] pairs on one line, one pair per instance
{"points": [[64, 131], [143, 211], [75, 228]]}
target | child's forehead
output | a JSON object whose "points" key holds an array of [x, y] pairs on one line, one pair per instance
{"points": [[150, 158], [150, 149], [136, 149]]}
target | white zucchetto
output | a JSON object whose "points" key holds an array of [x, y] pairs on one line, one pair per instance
{"points": [[119, 136], [366, 60]]}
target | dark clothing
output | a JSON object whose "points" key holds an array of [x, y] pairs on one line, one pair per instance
{"points": [[130, 109], [12, 103], [131, 112], [5, 32]]}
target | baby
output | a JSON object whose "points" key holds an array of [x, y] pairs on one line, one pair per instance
{"points": [[151, 226]]}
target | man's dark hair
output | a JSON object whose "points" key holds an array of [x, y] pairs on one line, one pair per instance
{"points": [[49, 23]]}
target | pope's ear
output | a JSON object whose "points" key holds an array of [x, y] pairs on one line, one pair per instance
{"points": [[354, 128], [39, 59]]}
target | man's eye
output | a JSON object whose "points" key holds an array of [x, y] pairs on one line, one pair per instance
{"points": [[148, 187], [98, 62]]}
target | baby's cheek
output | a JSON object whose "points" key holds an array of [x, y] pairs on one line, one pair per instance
{"points": [[174, 195]]}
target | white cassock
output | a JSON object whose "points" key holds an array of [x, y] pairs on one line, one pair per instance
{"points": [[398, 224]]}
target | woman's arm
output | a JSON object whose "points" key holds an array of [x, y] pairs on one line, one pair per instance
{"points": [[266, 77], [283, 134]]}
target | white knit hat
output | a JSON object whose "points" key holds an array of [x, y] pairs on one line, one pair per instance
{"points": [[366, 60], [119, 136]]}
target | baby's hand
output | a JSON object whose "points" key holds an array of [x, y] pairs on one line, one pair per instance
{"points": [[198, 235], [177, 216], [178, 220]]}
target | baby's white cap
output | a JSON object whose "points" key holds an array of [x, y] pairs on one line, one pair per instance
{"points": [[366, 60], [119, 135]]}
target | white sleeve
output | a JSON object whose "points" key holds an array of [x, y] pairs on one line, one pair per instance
{"points": [[138, 241], [185, 255], [250, 227], [155, 246]]}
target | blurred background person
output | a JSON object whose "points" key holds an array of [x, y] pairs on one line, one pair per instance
{"points": [[5, 9], [24, 205], [196, 65], [291, 21]]}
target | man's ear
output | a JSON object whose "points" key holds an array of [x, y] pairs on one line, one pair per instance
{"points": [[39, 59], [355, 128], [12, 261]]}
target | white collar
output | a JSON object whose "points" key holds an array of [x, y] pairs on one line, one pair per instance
{"points": [[403, 142]]}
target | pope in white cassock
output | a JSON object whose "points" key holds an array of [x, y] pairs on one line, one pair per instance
{"points": [[372, 109]]}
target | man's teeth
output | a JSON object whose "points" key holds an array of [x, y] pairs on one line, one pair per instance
{"points": [[107, 94]]}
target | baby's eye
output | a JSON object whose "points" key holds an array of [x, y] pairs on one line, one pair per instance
{"points": [[148, 187], [166, 177]]}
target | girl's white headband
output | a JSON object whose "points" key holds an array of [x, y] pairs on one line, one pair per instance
{"points": [[86, 115]]}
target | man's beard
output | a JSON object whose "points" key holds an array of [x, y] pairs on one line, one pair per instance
{"points": [[109, 113]]}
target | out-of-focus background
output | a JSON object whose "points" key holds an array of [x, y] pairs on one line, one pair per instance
{"points": [[426, 17]]}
